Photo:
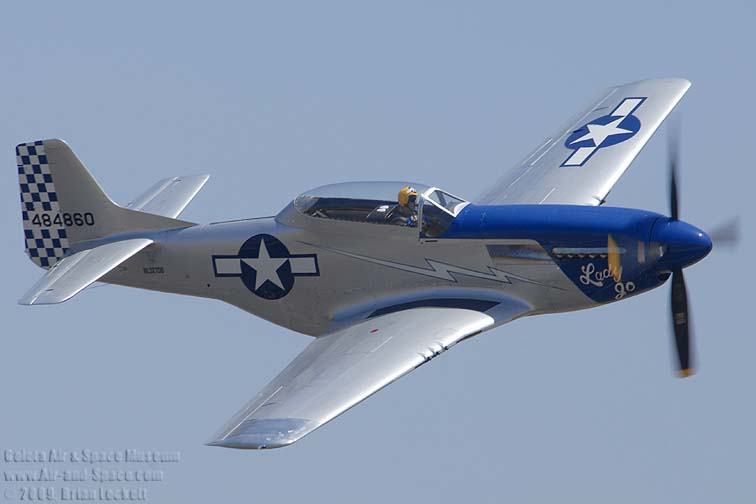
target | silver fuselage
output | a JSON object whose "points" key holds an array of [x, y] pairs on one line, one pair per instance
{"points": [[362, 268]]}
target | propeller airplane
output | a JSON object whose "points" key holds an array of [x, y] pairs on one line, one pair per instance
{"points": [[383, 275]]}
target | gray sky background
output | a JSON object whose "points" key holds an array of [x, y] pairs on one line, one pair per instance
{"points": [[274, 98]]}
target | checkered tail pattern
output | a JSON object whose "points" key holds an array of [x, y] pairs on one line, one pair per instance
{"points": [[45, 233]]}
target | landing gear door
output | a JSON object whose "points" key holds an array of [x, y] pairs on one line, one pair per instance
{"points": [[436, 211]]}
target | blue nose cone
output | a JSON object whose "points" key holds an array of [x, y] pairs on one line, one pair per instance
{"points": [[684, 244]]}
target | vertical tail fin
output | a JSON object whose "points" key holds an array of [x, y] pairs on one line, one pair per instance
{"points": [[61, 204]]}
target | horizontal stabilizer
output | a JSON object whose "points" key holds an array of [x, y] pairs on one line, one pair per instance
{"points": [[73, 273], [169, 197]]}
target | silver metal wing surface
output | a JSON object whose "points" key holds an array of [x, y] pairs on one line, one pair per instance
{"points": [[580, 163], [338, 370]]}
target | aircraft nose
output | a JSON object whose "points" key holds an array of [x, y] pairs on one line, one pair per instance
{"points": [[685, 244]]}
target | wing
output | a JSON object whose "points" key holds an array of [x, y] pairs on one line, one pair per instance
{"points": [[75, 272], [339, 370], [580, 163], [169, 197]]}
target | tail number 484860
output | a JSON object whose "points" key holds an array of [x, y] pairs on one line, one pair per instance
{"points": [[64, 219]]}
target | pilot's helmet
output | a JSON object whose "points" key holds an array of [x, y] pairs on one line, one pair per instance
{"points": [[407, 195]]}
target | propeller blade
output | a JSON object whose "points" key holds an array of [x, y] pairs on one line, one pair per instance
{"points": [[673, 139], [680, 323], [727, 233]]}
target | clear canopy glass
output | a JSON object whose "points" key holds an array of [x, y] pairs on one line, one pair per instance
{"points": [[373, 202], [437, 211], [381, 203]]}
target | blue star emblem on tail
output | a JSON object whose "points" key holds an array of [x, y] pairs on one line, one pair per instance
{"points": [[616, 127], [265, 266]]}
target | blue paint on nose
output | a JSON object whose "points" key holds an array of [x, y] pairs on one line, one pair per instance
{"points": [[684, 244]]}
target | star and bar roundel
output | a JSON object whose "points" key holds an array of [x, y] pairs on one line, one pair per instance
{"points": [[616, 127], [265, 266]]}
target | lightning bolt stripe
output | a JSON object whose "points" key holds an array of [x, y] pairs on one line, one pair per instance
{"points": [[440, 270]]}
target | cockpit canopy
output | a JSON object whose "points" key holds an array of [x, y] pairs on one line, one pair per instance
{"points": [[379, 203]]}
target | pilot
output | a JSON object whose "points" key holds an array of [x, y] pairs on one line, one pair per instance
{"points": [[405, 213]]}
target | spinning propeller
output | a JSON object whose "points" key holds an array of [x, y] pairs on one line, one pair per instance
{"points": [[682, 245], [685, 245]]}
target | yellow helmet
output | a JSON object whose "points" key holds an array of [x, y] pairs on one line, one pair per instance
{"points": [[405, 194]]}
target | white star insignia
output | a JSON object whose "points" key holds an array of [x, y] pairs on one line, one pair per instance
{"points": [[266, 267], [600, 132]]}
